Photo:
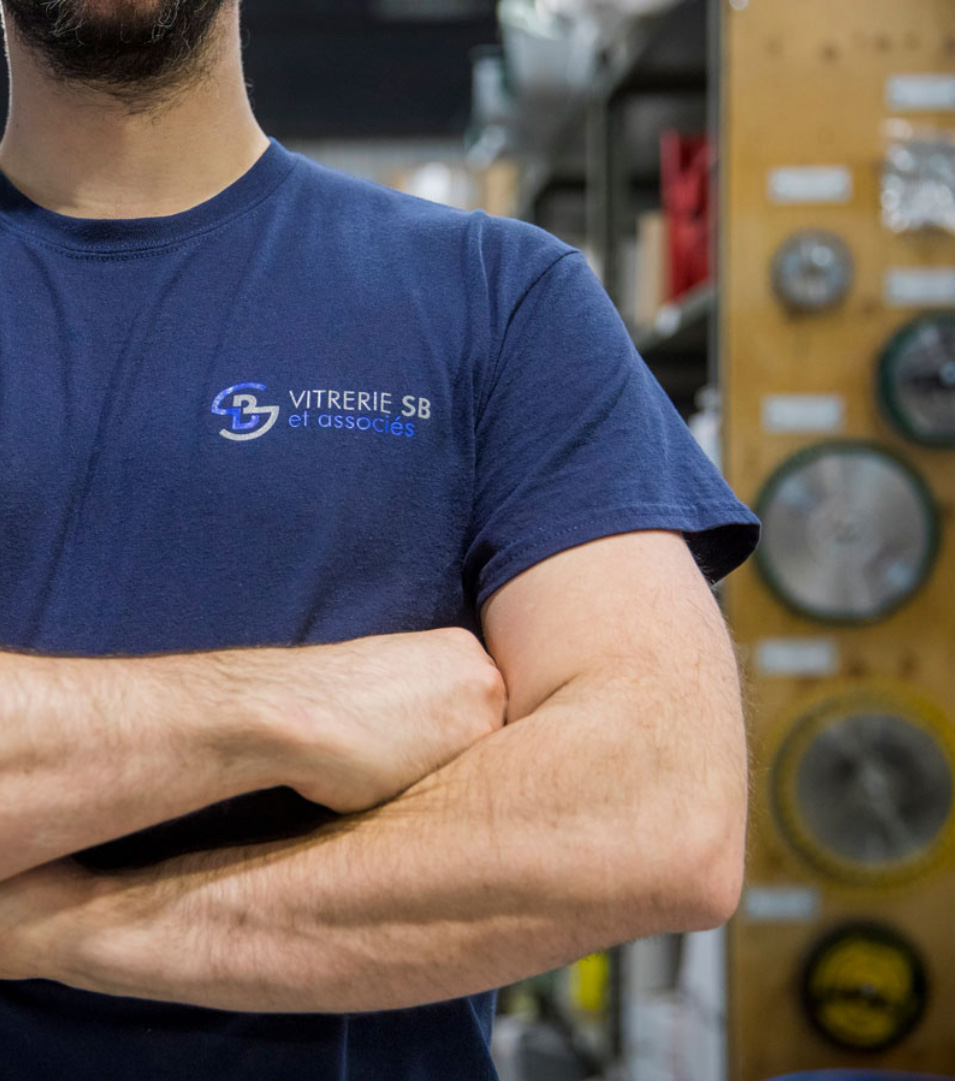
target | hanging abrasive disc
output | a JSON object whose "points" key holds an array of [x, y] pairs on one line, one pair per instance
{"points": [[850, 532], [916, 381], [812, 271], [865, 987], [864, 791]]}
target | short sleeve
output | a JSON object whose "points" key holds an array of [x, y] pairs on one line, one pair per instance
{"points": [[576, 440]]}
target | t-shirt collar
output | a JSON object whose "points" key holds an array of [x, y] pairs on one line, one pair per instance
{"points": [[93, 235]]}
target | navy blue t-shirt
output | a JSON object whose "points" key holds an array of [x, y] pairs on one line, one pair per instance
{"points": [[306, 411]]}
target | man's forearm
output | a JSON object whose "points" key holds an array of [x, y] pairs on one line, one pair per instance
{"points": [[537, 846], [91, 750]]}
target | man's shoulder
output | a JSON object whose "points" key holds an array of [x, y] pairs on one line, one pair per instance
{"points": [[399, 225]]}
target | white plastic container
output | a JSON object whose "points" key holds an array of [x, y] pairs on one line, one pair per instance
{"points": [[547, 54]]}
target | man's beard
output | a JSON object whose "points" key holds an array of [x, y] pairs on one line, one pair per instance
{"points": [[140, 52]]}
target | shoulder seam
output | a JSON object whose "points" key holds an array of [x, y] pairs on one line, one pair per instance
{"points": [[496, 363]]}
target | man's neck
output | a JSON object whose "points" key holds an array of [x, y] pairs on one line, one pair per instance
{"points": [[79, 153]]}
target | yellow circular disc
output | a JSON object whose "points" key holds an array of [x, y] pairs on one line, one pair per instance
{"points": [[865, 988], [863, 787]]}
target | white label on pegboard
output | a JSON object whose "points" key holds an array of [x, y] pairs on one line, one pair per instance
{"points": [[920, 93], [920, 288], [782, 904], [797, 657], [810, 184], [810, 413]]}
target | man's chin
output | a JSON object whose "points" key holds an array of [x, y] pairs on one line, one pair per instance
{"points": [[137, 51]]}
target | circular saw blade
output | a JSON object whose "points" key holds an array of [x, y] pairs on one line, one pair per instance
{"points": [[863, 786], [874, 789], [865, 987], [917, 381], [812, 271], [850, 532]]}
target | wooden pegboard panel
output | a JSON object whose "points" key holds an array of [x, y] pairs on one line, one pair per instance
{"points": [[805, 85]]}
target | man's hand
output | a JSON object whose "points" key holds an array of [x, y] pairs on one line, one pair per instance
{"points": [[356, 724], [92, 750]]}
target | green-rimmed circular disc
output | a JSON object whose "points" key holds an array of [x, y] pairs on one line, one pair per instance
{"points": [[850, 532], [865, 987], [916, 381]]}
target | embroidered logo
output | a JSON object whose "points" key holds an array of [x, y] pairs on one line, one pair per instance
{"points": [[322, 410], [249, 419]]}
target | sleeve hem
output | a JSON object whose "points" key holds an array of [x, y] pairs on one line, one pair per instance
{"points": [[721, 536]]}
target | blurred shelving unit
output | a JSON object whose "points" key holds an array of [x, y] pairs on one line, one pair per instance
{"points": [[590, 166], [677, 344], [679, 327]]}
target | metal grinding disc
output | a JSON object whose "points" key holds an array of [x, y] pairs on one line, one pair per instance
{"points": [[865, 988], [812, 271], [864, 789], [849, 532], [916, 381]]}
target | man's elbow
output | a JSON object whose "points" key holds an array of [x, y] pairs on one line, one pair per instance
{"points": [[708, 880], [714, 897], [696, 882]]}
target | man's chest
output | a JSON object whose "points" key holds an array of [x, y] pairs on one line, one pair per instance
{"points": [[184, 475]]}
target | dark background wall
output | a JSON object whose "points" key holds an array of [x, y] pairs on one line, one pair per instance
{"points": [[359, 68]]}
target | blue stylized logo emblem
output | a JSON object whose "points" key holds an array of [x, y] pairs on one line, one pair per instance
{"points": [[248, 417]]}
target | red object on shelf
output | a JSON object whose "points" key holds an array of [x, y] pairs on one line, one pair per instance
{"points": [[685, 182]]}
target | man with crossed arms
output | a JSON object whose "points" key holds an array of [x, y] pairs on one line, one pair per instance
{"points": [[268, 808]]}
